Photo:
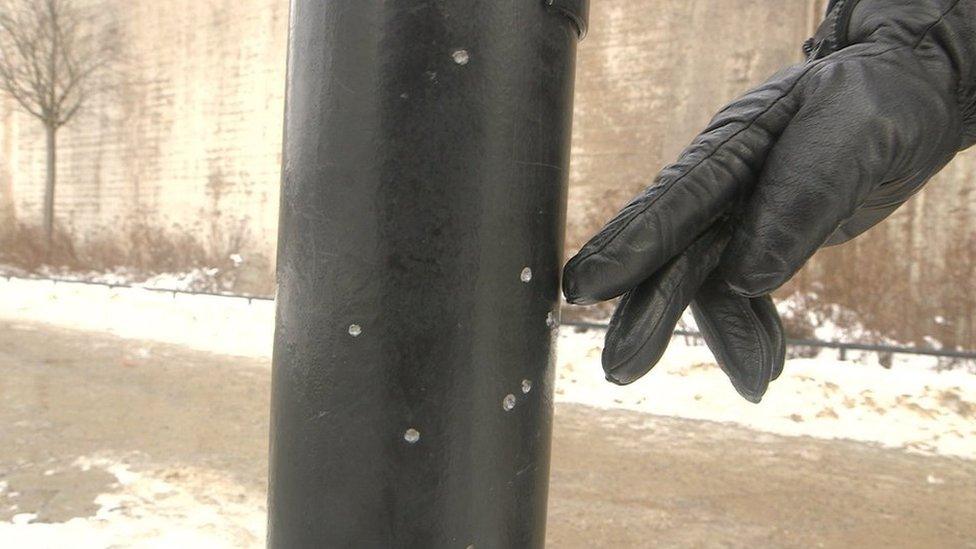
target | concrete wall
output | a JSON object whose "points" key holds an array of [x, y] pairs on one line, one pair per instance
{"points": [[192, 140], [195, 132]]}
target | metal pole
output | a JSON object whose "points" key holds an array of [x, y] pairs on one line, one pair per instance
{"points": [[420, 243]]}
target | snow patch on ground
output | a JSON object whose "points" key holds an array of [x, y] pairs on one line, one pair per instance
{"points": [[217, 324], [830, 322], [198, 279], [181, 507], [912, 406]]}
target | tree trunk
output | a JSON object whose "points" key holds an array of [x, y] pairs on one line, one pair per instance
{"points": [[52, 144]]}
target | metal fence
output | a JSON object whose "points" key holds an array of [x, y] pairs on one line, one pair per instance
{"points": [[841, 346]]}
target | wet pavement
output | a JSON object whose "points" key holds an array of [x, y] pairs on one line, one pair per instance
{"points": [[122, 441]]}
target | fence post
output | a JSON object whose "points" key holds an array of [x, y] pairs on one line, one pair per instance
{"points": [[420, 243]]}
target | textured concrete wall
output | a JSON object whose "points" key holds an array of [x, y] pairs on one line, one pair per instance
{"points": [[193, 139]]}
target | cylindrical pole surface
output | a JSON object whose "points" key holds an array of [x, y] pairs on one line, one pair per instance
{"points": [[422, 210]]}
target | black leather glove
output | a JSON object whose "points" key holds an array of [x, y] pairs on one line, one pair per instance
{"points": [[817, 155]]}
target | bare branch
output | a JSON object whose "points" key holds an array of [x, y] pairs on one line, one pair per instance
{"points": [[52, 54]]}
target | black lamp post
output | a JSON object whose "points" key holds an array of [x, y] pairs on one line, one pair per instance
{"points": [[422, 211]]}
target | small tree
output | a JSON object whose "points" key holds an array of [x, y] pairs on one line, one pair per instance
{"points": [[51, 55]]}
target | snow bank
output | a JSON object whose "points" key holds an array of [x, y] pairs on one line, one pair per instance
{"points": [[912, 406], [225, 325]]}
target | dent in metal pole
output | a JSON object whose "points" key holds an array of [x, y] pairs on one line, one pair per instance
{"points": [[423, 201]]}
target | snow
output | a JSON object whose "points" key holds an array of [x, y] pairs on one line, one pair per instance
{"points": [[914, 405], [198, 279], [217, 324], [180, 507]]}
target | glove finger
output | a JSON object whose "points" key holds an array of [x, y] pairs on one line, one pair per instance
{"points": [[738, 337], [643, 322], [848, 158], [687, 197], [769, 318]]}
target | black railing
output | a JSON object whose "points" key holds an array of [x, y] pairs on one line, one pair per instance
{"points": [[57, 280], [819, 344], [841, 346]]}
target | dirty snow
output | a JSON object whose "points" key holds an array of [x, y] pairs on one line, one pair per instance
{"points": [[161, 508], [225, 325], [830, 322], [912, 406]]}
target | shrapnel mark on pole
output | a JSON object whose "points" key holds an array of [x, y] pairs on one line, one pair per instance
{"points": [[508, 402], [411, 435], [461, 56]]}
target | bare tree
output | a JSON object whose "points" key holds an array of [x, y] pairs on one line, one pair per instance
{"points": [[51, 55]]}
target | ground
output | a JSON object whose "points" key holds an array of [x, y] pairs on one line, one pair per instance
{"points": [[118, 442]]}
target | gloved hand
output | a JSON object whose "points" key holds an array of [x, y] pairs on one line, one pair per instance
{"points": [[815, 156]]}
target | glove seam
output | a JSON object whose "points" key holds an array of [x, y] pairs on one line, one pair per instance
{"points": [[758, 329], [710, 327], [941, 18], [615, 320], [705, 325], [965, 93], [657, 324]]}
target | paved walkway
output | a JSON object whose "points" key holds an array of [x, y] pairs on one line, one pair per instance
{"points": [[121, 441]]}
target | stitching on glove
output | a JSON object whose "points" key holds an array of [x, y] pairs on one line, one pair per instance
{"points": [[657, 323], [965, 92], [758, 330], [842, 23], [706, 325], [925, 34]]}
